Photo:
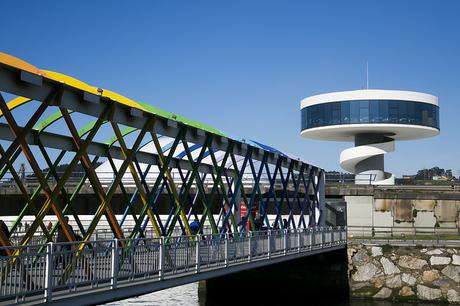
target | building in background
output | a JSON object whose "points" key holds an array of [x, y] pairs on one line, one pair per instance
{"points": [[373, 120]]}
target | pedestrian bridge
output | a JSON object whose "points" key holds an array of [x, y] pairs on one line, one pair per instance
{"points": [[104, 270], [251, 204]]}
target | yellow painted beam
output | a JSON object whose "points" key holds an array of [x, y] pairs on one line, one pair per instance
{"points": [[171, 182], [137, 182]]}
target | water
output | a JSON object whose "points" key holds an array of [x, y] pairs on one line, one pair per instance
{"points": [[187, 295]]}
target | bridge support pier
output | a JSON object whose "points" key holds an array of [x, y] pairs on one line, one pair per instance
{"points": [[313, 278]]}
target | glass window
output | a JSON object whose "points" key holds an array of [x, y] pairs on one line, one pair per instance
{"points": [[402, 113], [303, 115], [418, 113], [436, 110], [336, 115], [363, 111], [320, 119], [354, 112], [411, 113], [383, 111], [327, 113], [424, 115], [373, 111], [345, 111], [393, 110], [312, 115]]}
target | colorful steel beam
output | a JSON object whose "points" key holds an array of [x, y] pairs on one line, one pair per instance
{"points": [[193, 170]]}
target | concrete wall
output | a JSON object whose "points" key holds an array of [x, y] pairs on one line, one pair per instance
{"points": [[359, 210], [367, 210]]}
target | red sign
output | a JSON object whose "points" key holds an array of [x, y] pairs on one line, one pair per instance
{"points": [[244, 211]]}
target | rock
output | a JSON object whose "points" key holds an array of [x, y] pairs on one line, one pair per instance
{"points": [[423, 250], [453, 296], [350, 252], [452, 272], [408, 279], [365, 272], [452, 251], [406, 291], [394, 281], [444, 292], [427, 293], [456, 260], [410, 262], [378, 282], [430, 275], [376, 251], [434, 252], [388, 267], [384, 293], [443, 284], [360, 258], [439, 260]]}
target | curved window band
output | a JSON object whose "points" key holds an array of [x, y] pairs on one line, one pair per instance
{"points": [[370, 111]]}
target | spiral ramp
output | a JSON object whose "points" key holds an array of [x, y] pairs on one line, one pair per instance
{"points": [[353, 159]]}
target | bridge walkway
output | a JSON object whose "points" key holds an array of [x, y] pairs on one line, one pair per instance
{"points": [[103, 271]]}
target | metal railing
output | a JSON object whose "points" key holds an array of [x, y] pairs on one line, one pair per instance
{"points": [[405, 234], [447, 187], [101, 233], [347, 178], [62, 269]]}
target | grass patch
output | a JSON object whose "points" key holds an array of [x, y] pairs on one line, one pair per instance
{"points": [[365, 291], [387, 249]]}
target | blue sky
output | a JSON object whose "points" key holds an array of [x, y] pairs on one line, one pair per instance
{"points": [[244, 66]]}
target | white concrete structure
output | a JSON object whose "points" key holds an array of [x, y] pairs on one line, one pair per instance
{"points": [[373, 119]]}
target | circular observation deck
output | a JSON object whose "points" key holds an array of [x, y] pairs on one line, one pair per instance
{"points": [[373, 120], [340, 116]]}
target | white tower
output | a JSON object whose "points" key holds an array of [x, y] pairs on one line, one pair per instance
{"points": [[373, 120]]}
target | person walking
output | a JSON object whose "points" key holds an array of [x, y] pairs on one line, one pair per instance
{"points": [[62, 238], [6, 232], [285, 224], [5, 229], [258, 222], [195, 226]]}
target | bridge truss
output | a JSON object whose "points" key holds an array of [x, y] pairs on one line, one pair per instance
{"points": [[51, 119]]}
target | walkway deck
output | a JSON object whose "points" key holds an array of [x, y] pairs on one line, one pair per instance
{"points": [[104, 271]]}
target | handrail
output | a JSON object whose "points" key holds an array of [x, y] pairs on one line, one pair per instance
{"points": [[63, 270], [404, 234], [348, 178]]}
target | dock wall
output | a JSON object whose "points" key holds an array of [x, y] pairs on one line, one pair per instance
{"points": [[404, 273]]}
